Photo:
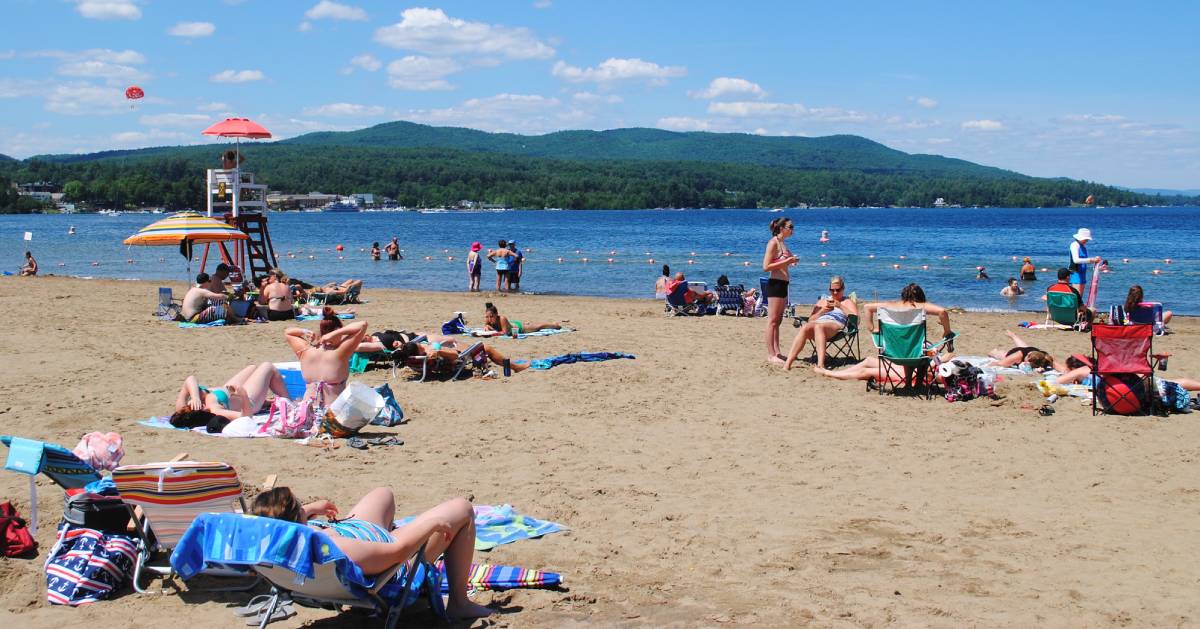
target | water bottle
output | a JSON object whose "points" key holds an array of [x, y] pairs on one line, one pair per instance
{"points": [[1053, 398]]}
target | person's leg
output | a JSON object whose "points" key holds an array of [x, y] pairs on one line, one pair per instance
{"points": [[499, 359], [264, 378], [775, 308], [865, 370], [802, 337], [1016, 340], [1167, 314], [239, 378], [1187, 383], [1008, 360], [498, 276], [822, 332], [378, 506], [457, 552], [538, 327]]}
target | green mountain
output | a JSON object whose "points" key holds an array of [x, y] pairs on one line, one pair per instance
{"points": [[835, 152]]}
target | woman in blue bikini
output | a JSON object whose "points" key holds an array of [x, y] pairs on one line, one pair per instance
{"points": [[243, 394], [368, 538]]}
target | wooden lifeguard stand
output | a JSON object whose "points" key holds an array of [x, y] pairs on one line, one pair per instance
{"points": [[232, 194]]}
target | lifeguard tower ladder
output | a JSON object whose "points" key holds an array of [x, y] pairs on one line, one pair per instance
{"points": [[232, 194]]}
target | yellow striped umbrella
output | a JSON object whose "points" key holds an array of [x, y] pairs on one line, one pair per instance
{"points": [[185, 227]]}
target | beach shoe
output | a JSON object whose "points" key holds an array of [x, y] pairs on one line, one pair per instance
{"points": [[283, 611], [357, 443], [386, 441], [254, 607]]}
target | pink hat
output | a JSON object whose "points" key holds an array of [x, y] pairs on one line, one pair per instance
{"points": [[475, 246]]}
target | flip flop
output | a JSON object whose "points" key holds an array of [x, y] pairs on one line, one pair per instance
{"points": [[385, 441], [357, 443], [283, 611], [254, 607]]}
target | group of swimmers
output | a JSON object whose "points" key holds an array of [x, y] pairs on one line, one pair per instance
{"points": [[392, 249]]}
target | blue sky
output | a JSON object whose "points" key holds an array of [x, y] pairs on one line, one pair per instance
{"points": [[1103, 91]]}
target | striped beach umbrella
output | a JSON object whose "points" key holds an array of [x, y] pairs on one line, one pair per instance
{"points": [[186, 229]]}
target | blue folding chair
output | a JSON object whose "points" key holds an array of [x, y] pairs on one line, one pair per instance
{"points": [[302, 564]]}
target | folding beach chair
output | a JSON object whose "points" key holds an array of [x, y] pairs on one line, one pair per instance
{"points": [[468, 359], [1124, 361], [1062, 307], [60, 465], [319, 299], [360, 362], [729, 299], [677, 304], [170, 496], [301, 563], [169, 308], [1148, 313], [905, 356], [841, 346]]}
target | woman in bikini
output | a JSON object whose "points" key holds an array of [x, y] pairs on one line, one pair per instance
{"points": [[493, 321], [241, 395], [325, 356], [776, 261], [368, 538], [450, 355], [829, 316]]}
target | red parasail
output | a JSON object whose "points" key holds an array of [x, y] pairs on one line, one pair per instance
{"points": [[134, 92]]}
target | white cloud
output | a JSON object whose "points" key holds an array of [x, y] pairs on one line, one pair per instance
{"points": [[7, 54], [174, 120], [326, 10], [108, 9], [80, 99], [1097, 118], [982, 125], [747, 109], [682, 123], [130, 137], [926, 102], [431, 31], [91, 69], [367, 62], [304, 27], [345, 110], [611, 70], [421, 74], [512, 113], [19, 88], [213, 107], [588, 97], [236, 76], [192, 29], [725, 86]]}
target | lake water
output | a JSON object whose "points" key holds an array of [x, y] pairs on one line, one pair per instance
{"points": [[726, 242]]}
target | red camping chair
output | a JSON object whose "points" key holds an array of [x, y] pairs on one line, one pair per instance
{"points": [[1124, 369]]}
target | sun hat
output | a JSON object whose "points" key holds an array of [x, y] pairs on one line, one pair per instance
{"points": [[1083, 234], [475, 246]]}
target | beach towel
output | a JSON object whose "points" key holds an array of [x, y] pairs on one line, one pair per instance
{"points": [[341, 315], [495, 526], [242, 427], [985, 363], [578, 357], [211, 324], [87, 565], [524, 335], [484, 576], [1043, 326]]}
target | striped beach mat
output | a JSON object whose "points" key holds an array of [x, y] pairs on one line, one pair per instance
{"points": [[172, 495], [489, 577]]}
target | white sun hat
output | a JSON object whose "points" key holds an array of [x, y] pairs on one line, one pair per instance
{"points": [[1083, 234]]}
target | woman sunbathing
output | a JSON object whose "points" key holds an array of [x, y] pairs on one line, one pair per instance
{"points": [[325, 356], [494, 322], [389, 340], [368, 538], [243, 394], [449, 355], [829, 316], [1074, 369]]}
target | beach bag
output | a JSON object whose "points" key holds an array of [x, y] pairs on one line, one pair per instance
{"points": [[87, 565], [963, 381], [392, 414], [14, 533], [96, 511], [292, 420], [357, 406], [102, 450], [457, 325]]}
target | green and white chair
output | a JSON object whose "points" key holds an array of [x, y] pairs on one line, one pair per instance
{"points": [[905, 355], [1062, 308]]}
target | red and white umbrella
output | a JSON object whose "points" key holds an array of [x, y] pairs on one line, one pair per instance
{"points": [[237, 128]]}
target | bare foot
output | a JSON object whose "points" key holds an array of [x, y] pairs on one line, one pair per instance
{"points": [[776, 360], [468, 609], [821, 371]]}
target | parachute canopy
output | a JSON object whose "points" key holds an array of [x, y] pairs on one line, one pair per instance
{"points": [[1091, 198], [134, 92]]}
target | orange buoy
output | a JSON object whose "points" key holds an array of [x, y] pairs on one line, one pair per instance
{"points": [[585, 259], [578, 251], [727, 254], [903, 257], [613, 252], [945, 257], [691, 261], [747, 263], [1045, 270], [824, 264], [427, 258], [129, 261], [341, 257], [693, 254], [94, 263], [1125, 260], [651, 260], [1014, 258], [450, 258], [1167, 261], [62, 264], [823, 255]]}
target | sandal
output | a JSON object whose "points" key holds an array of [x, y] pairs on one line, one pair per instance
{"points": [[386, 441], [283, 611], [254, 607], [357, 443], [1046, 410]]}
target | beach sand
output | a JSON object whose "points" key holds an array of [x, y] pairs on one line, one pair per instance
{"points": [[702, 487]]}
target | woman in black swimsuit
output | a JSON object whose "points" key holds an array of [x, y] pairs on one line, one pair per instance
{"points": [[1022, 352], [776, 261]]}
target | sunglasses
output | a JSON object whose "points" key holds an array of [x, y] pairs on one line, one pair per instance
{"points": [[836, 289]]}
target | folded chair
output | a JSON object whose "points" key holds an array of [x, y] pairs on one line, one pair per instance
{"points": [[1063, 308], [170, 497], [60, 465], [428, 366], [169, 308], [905, 355], [319, 299], [729, 299], [841, 346], [1124, 361], [303, 564], [677, 304]]}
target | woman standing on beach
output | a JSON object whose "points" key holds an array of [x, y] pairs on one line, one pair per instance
{"points": [[474, 267], [776, 261]]}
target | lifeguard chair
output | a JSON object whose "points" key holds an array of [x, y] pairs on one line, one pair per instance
{"points": [[233, 195]]}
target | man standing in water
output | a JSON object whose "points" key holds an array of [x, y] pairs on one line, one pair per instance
{"points": [[1080, 260], [392, 249]]}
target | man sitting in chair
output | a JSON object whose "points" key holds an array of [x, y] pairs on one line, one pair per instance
{"points": [[690, 296], [1063, 285], [201, 305]]}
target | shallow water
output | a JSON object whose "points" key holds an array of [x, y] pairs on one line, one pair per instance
{"points": [[723, 241]]}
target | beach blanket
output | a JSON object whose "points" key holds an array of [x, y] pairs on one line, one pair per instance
{"points": [[484, 576], [211, 324], [1032, 325], [495, 526], [495, 334], [242, 427], [985, 363], [578, 357], [341, 315]]}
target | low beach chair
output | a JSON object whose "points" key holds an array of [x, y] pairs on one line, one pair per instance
{"points": [[303, 565], [1148, 313], [60, 465], [760, 307], [905, 356], [435, 366], [319, 299], [841, 346], [1124, 361], [677, 304], [1062, 307], [729, 299], [169, 308], [360, 362], [170, 496]]}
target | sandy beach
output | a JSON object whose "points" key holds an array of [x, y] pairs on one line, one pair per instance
{"points": [[702, 487]]}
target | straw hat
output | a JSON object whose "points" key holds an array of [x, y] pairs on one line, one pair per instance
{"points": [[1083, 234]]}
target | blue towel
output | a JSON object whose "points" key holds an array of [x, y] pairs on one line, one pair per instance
{"points": [[578, 357], [24, 456], [548, 332], [341, 315], [502, 525], [212, 324]]}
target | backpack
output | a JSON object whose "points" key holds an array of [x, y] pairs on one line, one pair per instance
{"points": [[457, 325], [292, 420], [964, 381], [14, 534]]}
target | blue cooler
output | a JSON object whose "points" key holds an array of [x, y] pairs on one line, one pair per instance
{"points": [[292, 379]]}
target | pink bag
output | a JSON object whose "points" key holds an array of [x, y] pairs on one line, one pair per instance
{"points": [[293, 420], [102, 450]]}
